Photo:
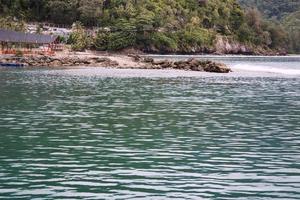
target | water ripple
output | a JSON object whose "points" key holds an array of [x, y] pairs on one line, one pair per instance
{"points": [[86, 137]]}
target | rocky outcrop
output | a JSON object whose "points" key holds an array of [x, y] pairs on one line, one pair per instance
{"points": [[46, 61], [135, 57], [138, 63], [225, 45], [222, 45], [190, 65]]}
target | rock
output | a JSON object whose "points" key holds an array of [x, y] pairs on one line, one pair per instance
{"points": [[149, 63], [148, 60], [86, 62], [101, 60], [92, 61], [160, 62], [113, 63], [166, 64], [187, 68], [194, 63], [216, 68], [179, 64], [225, 45], [135, 57], [55, 63]]}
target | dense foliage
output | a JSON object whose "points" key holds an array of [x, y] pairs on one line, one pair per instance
{"points": [[79, 38], [275, 9], [292, 25], [12, 24], [285, 12], [152, 25]]}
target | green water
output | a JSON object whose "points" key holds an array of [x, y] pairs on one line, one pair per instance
{"points": [[91, 137]]}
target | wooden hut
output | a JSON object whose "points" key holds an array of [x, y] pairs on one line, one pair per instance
{"points": [[27, 43]]}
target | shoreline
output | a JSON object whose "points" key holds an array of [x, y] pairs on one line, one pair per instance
{"points": [[119, 61], [162, 63], [107, 72]]}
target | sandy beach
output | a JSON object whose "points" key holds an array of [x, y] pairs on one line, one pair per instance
{"points": [[124, 60]]}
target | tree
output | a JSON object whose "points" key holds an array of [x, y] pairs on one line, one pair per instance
{"points": [[291, 23], [79, 39], [62, 12], [90, 12], [12, 24]]}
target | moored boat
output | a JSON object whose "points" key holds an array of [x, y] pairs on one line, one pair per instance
{"points": [[11, 65]]}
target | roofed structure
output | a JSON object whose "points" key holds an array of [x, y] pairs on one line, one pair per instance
{"points": [[29, 38]]}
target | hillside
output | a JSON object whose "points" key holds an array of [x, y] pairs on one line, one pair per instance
{"points": [[292, 25], [275, 9], [285, 12], [173, 26]]}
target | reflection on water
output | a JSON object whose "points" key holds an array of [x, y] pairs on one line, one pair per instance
{"points": [[87, 137]]}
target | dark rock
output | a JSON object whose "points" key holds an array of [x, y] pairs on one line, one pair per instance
{"points": [[166, 64], [86, 62], [194, 63], [148, 60], [55, 63], [160, 62], [216, 68], [114, 63], [135, 57], [101, 60]]}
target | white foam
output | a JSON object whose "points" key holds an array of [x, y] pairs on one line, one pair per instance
{"points": [[267, 69]]}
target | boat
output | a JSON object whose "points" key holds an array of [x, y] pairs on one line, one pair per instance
{"points": [[11, 65]]}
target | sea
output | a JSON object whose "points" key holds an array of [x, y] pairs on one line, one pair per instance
{"points": [[104, 133]]}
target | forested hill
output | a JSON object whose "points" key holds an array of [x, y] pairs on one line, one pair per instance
{"points": [[276, 9], [154, 25], [103, 12], [292, 26], [286, 12]]}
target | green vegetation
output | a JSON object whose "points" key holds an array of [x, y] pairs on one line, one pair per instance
{"points": [[12, 24], [266, 33], [292, 25], [285, 15], [185, 26], [275, 9], [19, 53], [79, 38]]}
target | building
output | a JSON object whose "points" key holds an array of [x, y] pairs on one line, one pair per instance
{"points": [[27, 43], [49, 29]]}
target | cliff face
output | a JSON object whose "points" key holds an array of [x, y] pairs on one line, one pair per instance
{"points": [[224, 45]]}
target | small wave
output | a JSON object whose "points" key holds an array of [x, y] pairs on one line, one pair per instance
{"points": [[267, 69]]}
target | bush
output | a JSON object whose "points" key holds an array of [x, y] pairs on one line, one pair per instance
{"points": [[121, 40], [79, 38], [114, 41], [12, 24], [164, 42], [195, 38], [19, 53], [101, 41], [245, 34]]}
